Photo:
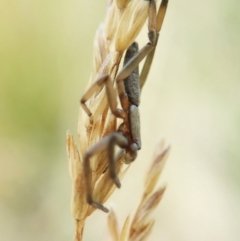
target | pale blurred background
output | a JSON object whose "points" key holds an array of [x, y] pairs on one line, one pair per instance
{"points": [[191, 99]]}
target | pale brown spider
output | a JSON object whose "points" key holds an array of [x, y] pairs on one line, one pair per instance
{"points": [[129, 86]]}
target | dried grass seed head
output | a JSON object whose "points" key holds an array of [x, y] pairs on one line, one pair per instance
{"points": [[128, 18]]}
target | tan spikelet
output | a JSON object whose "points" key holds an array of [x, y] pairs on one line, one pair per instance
{"points": [[113, 225], [125, 230], [131, 24], [160, 157], [122, 3], [141, 225]]}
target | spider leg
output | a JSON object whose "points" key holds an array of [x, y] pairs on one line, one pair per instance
{"points": [[97, 85], [129, 67], [111, 95], [107, 143], [148, 62]]}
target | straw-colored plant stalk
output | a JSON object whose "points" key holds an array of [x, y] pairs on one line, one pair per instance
{"points": [[123, 22]]}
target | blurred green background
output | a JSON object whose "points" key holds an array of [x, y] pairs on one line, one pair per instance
{"points": [[191, 99]]}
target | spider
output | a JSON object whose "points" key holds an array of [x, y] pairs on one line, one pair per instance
{"points": [[128, 83]]}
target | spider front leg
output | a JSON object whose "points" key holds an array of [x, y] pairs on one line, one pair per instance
{"points": [[159, 21], [107, 143], [155, 21], [152, 36]]}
